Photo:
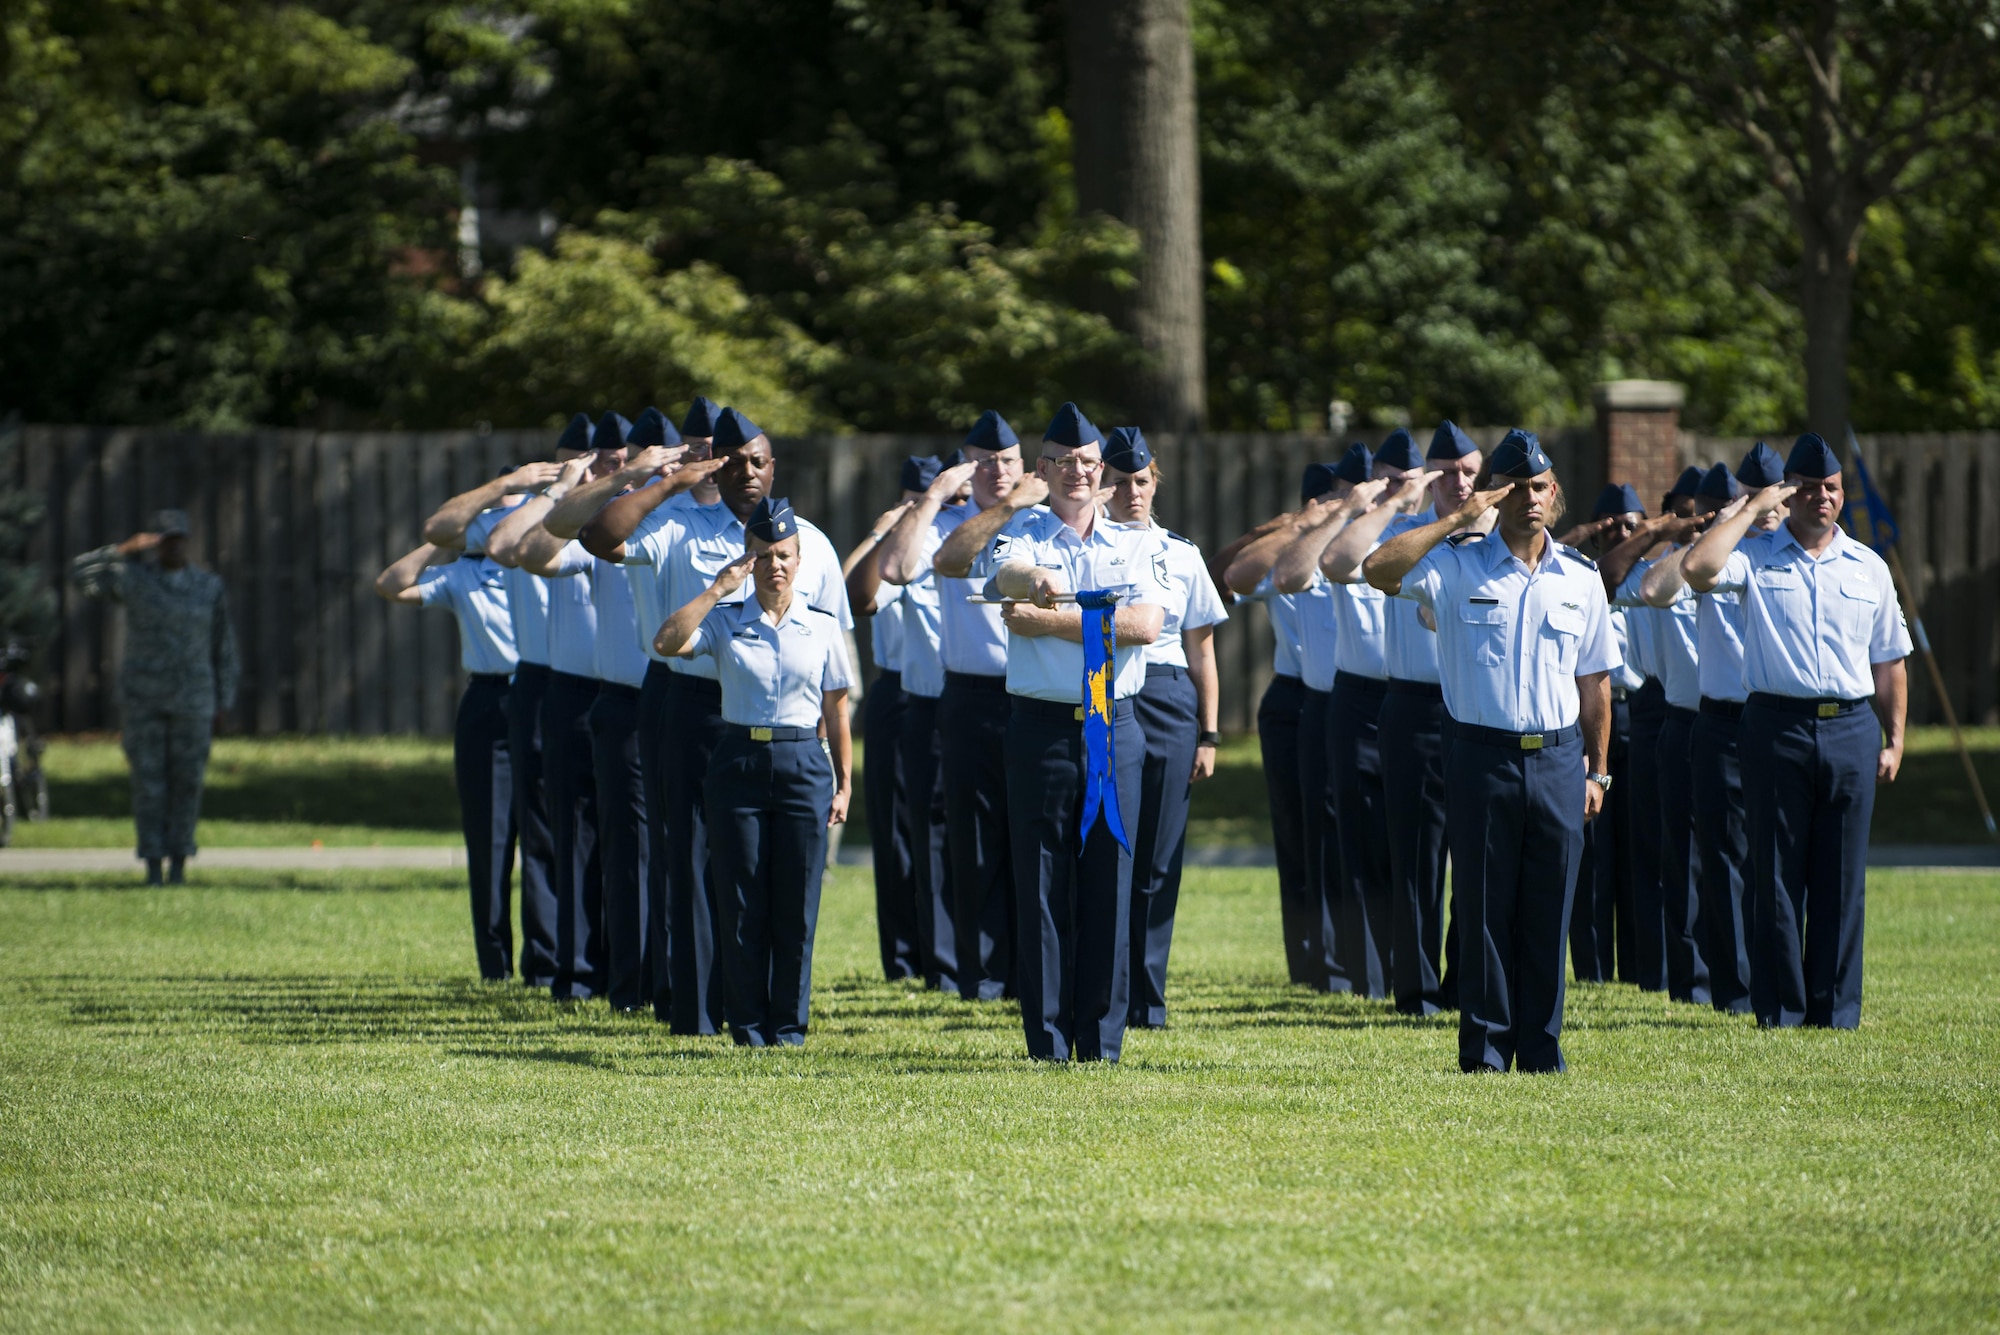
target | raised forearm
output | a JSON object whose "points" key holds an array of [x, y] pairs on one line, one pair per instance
{"points": [[1293, 571], [1702, 564], [1341, 562], [1386, 565], [864, 580], [678, 630], [568, 516], [538, 551], [606, 532], [1662, 584], [955, 557], [504, 543], [446, 526], [1247, 571], [898, 552]]}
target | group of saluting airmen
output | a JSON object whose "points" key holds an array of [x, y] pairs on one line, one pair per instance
{"points": [[1663, 759]]}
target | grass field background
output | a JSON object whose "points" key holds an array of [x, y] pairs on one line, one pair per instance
{"points": [[270, 1100], [398, 790]]}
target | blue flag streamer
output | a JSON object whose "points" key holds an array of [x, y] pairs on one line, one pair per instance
{"points": [[1100, 658], [1882, 531]]}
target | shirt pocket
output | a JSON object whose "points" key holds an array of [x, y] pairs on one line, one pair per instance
{"points": [[1782, 590], [1561, 638], [1854, 610], [1485, 626]]}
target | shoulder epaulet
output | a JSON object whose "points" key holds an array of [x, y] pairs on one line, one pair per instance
{"points": [[1577, 556], [1178, 538], [1460, 539]]}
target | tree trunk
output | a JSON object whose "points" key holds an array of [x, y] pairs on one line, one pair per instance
{"points": [[1826, 300], [1132, 110]]}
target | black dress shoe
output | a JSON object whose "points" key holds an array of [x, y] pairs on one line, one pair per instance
{"points": [[153, 876], [177, 871]]}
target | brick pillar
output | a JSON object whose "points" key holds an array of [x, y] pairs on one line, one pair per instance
{"points": [[1638, 430]]}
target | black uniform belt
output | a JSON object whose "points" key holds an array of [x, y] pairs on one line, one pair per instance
{"points": [[1165, 670], [1800, 704], [576, 679], [1676, 712], [1060, 709], [709, 686], [657, 671], [977, 681], [489, 676], [1429, 690], [619, 689], [525, 668], [1514, 741], [1619, 693], [1292, 677], [1721, 708], [894, 676], [759, 733], [1354, 681]]}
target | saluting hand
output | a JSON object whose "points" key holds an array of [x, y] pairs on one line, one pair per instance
{"points": [[654, 459], [1479, 502], [690, 475], [948, 483], [568, 476], [1030, 490], [730, 578], [1770, 498], [1365, 494], [139, 542], [532, 477], [887, 519], [1416, 487]]}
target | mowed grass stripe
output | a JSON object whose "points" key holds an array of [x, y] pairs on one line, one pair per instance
{"points": [[278, 1099]]}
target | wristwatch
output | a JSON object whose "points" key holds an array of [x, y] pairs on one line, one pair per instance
{"points": [[1208, 739], [1601, 780]]}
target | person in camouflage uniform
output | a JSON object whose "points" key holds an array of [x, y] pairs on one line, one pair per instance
{"points": [[178, 678]]}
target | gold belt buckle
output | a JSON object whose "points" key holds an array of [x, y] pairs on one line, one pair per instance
{"points": [[1828, 710], [1079, 713], [1531, 741], [760, 734]]}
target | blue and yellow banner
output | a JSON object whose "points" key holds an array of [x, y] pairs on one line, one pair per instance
{"points": [[1100, 658]]}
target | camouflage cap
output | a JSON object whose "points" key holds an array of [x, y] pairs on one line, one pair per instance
{"points": [[168, 523]]}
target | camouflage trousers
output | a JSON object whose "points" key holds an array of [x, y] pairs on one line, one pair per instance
{"points": [[169, 758]]}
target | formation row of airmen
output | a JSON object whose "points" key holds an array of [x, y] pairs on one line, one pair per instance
{"points": [[657, 707]]}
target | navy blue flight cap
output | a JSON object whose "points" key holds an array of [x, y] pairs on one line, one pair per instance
{"points": [[576, 435], [772, 519], [732, 432], [991, 432], [1398, 451], [1618, 498], [1071, 429], [1761, 468], [1520, 454], [1354, 465], [700, 420], [1687, 484], [919, 471], [1812, 457], [1317, 482], [954, 459], [1125, 449], [1718, 485], [1448, 442], [652, 428], [612, 431]]}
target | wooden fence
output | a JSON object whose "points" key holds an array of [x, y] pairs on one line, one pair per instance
{"points": [[299, 523]]}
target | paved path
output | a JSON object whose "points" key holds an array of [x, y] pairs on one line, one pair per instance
{"points": [[30, 861]]}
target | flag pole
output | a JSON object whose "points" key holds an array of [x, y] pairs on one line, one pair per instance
{"points": [[1930, 662]]}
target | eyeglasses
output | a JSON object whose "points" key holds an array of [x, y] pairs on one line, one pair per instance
{"points": [[1070, 463]]}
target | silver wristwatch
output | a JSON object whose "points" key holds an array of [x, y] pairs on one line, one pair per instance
{"points": [[1601, 780]]}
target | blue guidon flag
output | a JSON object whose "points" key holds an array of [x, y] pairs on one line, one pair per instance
{"points": [[1882, 532], [1100, 657]]}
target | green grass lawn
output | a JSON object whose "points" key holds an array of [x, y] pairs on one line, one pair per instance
{"points": [[283, 791], [268, 1101]]}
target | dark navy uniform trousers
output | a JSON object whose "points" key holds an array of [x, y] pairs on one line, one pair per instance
{"points": [[1604, 879], [569, 772], [653, 778], [1725, 851], [1413, 718], [1808, 795], [621, 845], [882, 781], [1278, 733], [767, 808], [1322, 841], [531, 822], [693, 728], [923, 782], [1169, 716], [1361, 872], [1642, 951], [1074, 967], [1680, 890], [973, 715], [483, 770], [1515, 819]]}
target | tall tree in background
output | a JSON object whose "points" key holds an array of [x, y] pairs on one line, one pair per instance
{"points": [[1847, 103], [1132, 107]]}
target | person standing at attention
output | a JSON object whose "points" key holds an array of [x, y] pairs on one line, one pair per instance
{"points": [[1524, 649], [176, 684], [1823, 649]]}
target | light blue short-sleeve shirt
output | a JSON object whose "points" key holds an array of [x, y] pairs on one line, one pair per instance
{"points": [[474, 588], [773, 676], [971, 637], [1642, 623], [690, 545], [1812, 629], [923, 669], [1319, 634], [885, 628], [616, 655], [1513, 640], [1287, 650], [572, 613], [649, 588], [1409, 647], [1191, 600], [1114, 557], [1719, 631], [1676, 642], [1625, 676]]}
